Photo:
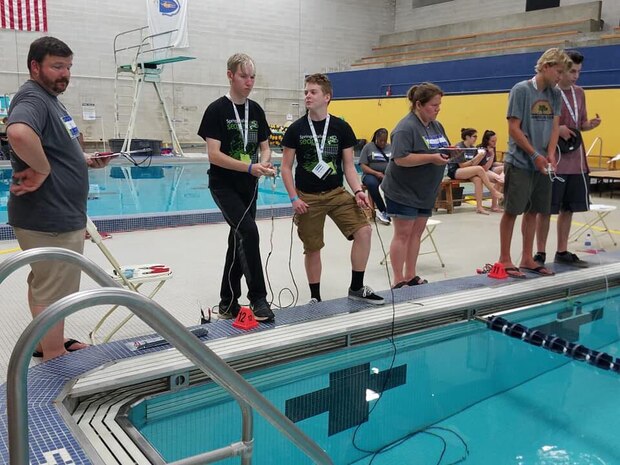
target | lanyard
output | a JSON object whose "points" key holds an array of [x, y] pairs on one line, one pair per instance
{"points": [[574, 112], [319, 148], [243, 131]]}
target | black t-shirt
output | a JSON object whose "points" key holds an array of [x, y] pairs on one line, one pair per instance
{"points": [[299, 137], [219, 122]]}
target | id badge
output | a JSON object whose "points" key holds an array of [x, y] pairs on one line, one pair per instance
{"points": [[245, 158], [70, 126], [322, 170]]}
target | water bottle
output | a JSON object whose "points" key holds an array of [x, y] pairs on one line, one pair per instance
{"points": [[588, 242]]}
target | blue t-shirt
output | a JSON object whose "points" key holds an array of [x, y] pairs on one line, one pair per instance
{"points": [[536, 110]]}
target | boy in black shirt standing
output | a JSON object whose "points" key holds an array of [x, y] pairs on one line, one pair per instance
{"points": [[235, 129], [323, 145]]}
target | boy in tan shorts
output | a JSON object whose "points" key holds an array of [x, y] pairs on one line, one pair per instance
{"points": [[323, 145]]}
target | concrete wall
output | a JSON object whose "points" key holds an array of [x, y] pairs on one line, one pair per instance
{"points": [[287, 38], [409, 18]]}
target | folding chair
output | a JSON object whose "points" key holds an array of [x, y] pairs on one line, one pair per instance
{"points": [[431, 225], [131, 276], [600, 212]]}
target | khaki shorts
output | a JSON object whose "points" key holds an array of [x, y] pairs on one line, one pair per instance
{"points": [[339, 205], [50, 281], [526, 191]]}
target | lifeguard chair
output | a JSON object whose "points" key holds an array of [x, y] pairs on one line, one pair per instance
{"points": [[138, 61]]}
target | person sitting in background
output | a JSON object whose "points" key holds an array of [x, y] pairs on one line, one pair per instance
{"points": [[489, 143], [373, 162], [494, 168], [473, 170]]}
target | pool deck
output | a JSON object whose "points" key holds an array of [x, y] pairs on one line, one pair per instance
{"points": [[195, 254], [465, 240]]}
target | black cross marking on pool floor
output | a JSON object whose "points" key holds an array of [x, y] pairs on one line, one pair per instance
{"points": [[345, 398]]}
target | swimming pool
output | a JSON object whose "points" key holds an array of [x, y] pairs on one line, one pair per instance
{"points": [[455, 393], [175, 186]]}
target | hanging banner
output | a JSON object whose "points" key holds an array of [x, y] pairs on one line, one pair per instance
{"points": [[165, 16]]}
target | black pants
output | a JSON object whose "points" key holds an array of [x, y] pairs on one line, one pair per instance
{"points": [[244, 259]]}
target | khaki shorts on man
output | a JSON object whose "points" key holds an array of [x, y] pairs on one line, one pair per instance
{"points": [[50, 281], [339, 205], [526, 191]]}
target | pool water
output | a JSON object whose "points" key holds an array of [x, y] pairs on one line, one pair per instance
{"points": [[169, 188], [456, 394]]}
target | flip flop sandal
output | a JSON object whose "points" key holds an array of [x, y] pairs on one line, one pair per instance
{"points": [[514, 272], [539, 270], [68, 343], [416, 281]]}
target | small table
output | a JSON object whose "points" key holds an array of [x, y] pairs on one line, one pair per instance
{"points": [[600, 212], [608, 175]]}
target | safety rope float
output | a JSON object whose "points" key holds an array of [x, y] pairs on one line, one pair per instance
{"points": [[553, 343]]}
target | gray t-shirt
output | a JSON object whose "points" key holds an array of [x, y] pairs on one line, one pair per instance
{"points": [[536, 110], [376, 158], [414, 186], [59, 205]]}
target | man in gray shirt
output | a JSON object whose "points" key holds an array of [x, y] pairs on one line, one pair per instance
{"points": [[47, 203], [533, 125]]}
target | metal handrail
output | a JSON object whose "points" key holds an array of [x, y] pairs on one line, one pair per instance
{"points": [[600, 153], [164, 324]]}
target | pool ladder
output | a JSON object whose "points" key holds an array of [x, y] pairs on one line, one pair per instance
{"points": [[163, 323]]}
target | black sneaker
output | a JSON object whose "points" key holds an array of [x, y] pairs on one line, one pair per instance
{"points": [[228, 311], [570, 259], [366, 294], [540, 258], [262, 311]]}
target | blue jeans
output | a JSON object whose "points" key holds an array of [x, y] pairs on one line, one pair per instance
{"points": [[372, 183]]}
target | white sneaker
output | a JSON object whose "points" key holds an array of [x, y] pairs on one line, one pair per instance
{"points": [[313, 301], [384, 218]]}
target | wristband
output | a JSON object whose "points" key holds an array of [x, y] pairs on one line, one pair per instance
{"points": [[292, 199], [535, 155], [358, 191], [250, 168]]}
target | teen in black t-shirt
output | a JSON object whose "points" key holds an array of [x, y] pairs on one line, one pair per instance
{"points": [[323, 145], [236, 130]]}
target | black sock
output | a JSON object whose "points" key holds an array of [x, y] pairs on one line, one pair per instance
{"points": [[357, 280], [562, 253], [315, 291], [542, 254]]}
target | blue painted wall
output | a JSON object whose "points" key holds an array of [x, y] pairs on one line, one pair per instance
{"points": [[473, 75]]}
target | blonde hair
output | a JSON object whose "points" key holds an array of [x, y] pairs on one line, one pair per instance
{"points": [[553, 57], [238, 60], [422, 93]]}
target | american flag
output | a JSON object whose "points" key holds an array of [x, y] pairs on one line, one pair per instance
{"points": [[23, 15]]}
